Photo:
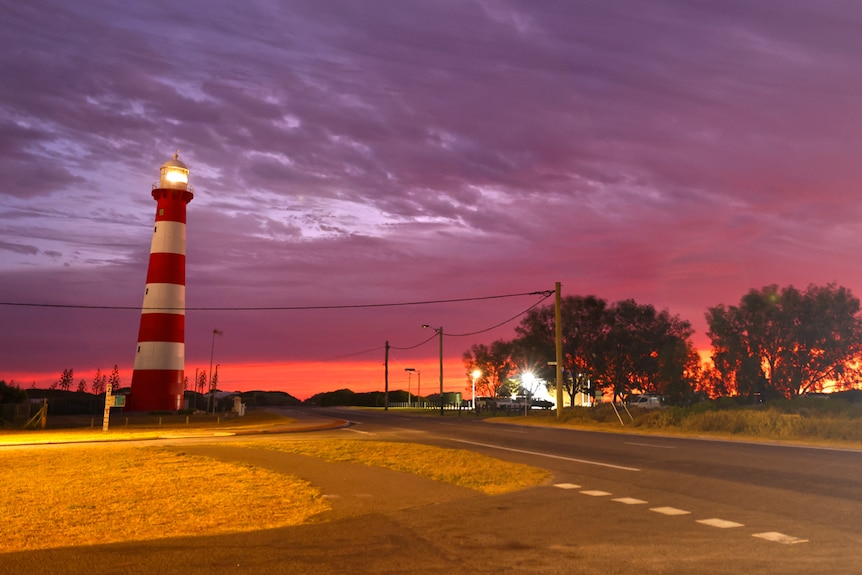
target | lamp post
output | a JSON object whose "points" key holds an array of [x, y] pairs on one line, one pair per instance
{"points": [[215, 385], [418, 388], [409, 371], [212, 352], [439, 331], [477, 373]]}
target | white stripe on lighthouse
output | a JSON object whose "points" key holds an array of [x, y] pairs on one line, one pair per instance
{"points": [[169, 238], [164, 298], [163, 355]]}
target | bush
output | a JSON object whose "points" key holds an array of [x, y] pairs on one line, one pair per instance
{"points": [[11, 394]]}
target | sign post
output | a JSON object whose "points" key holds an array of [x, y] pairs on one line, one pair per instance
{"points": [[109, 402]]}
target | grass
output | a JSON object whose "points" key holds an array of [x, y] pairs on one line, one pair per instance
{"points": [[800, 420], [104, 494], [456, 466]]}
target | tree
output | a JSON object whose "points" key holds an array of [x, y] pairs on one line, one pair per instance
{"points": [[11, 393], [625, 346], [82, 386], [496, 365], [114, 379], [202, 381], [584, 329], [99, 381], [65, 381], [784, 342]]}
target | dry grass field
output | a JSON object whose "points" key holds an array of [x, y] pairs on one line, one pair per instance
{"points": [[95, 493]]}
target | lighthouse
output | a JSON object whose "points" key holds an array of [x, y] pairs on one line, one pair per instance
{"points": [[157, 380]]}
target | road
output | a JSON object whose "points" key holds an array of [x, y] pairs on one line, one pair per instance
{"points": [[818, 485], [616, 504]]}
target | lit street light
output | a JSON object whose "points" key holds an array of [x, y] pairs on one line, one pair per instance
{"points": [[527, 381], [439, 331]]}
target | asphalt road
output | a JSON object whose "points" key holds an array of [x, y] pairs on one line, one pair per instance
{"points": [[616, 504]]}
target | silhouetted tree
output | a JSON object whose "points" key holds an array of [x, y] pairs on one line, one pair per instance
{"points": [[114, 379], [65, 381], [202, 381], [785, 342], [99, 381], [584, 331], [625, 346], [10, 393], [496, 365]]}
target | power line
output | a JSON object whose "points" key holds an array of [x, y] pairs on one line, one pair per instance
{"points": [[514, 317], [546, 293]]}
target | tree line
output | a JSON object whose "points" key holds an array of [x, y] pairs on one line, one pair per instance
{"points": [[100, 380], [777, 342], [97, 386]]}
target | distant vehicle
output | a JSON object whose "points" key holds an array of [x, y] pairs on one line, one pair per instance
{"points": [[542, 404], [646, 401]]}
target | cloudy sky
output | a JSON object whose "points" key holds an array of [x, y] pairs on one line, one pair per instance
{"points": [[346, 153]]}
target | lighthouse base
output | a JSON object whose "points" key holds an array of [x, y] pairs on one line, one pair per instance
{"points": [[156, 390]]}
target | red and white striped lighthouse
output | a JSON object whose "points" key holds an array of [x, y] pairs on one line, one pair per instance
{"points": [[157, 380]]}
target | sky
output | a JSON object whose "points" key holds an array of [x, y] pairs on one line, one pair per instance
{"points": [[347, 154]]}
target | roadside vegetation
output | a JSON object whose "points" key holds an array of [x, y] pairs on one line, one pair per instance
{"points": [[803, 419]]}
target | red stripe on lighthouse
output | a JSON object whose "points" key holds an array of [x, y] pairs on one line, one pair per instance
{"points": [[167, 268], [171, 204], [162, 327], [157, 389]]}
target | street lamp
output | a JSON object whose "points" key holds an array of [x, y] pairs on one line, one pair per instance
{"points": [[477, 373], [212, 352], [439, 331], [409, 371]]}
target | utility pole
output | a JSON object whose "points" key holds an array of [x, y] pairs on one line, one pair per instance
{"points": [[386, 379], [440, 331], [559, 345]]}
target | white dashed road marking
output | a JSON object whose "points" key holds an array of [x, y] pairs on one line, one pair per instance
{"points": [[780, 538], [773, 536], [630, 501], [720, 523], [670, 511]]}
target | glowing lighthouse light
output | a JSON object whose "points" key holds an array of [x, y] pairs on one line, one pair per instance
{"points": [[174, 172], [157, 380]]}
